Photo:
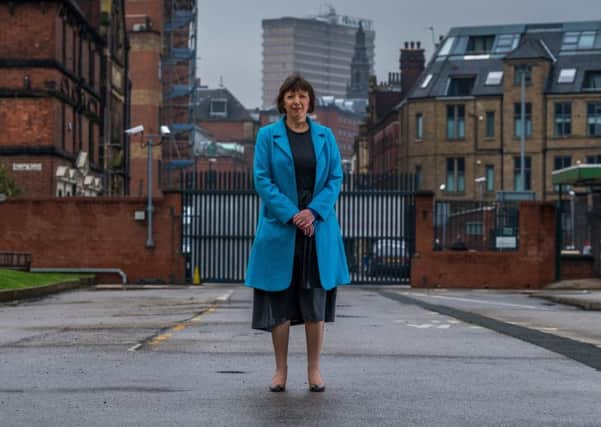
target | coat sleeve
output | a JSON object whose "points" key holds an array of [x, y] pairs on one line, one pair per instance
{"points": [[324, 201], [277, 203]]}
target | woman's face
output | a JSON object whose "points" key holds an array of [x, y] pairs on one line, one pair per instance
{"points": [[296, 104]]}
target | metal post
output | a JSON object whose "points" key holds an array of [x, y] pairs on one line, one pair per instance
{"points": [[149, 207], [523, 138]]}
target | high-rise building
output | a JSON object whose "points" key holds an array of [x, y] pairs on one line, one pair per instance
{"points": [[320, 48]]}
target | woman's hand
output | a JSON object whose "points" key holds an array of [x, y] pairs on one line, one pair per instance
{"points": [[303, 219], [309, 230]]}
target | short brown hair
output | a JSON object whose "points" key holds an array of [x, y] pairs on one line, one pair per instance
{"points": [[293, 83]]}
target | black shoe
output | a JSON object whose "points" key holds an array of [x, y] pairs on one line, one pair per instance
{"points": [[277, 388], [317, 388]]}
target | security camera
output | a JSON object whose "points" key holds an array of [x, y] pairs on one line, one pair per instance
{"points": [[165, 130], [135, 130]]}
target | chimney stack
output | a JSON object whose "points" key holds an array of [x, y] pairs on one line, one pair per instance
{"points": [[412, 63]]}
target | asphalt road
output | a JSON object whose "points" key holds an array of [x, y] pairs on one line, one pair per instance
{"points": [[187, 357]]}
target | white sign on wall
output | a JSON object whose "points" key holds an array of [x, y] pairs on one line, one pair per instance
{"points": [[27, 167], [506, 242]]}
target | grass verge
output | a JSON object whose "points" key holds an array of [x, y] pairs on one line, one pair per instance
{"points": [[12, 279]]}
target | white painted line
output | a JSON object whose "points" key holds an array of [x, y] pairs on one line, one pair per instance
{"points": [[134, 347], [547, 329], [224, 297], [443, 326], [478, 301]]}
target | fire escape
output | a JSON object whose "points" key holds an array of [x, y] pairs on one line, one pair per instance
{"points": [[178, 68]]}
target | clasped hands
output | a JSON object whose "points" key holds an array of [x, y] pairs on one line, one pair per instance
{"points": [[304, 220]]}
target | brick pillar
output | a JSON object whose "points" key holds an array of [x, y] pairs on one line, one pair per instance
{"points": [[424, 236]]}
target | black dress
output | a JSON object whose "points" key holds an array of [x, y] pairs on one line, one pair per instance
{"points": [[305, 299]]}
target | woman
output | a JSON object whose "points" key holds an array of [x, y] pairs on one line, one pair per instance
{"points": [[298, 258]]}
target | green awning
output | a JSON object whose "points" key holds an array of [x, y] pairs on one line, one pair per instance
{"points": [[579, 176]]}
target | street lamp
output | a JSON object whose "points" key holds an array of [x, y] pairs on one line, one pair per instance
{"points": [[164, 131], [481, 180]]}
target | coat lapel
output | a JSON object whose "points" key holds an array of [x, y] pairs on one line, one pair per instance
{"points": [[318, 135], [280, 137]]}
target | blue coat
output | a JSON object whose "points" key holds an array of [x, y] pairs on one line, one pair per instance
{"points": [[271, 256]]}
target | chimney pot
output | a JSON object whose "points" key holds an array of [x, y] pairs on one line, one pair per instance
{"points": [[406, 45], [412, 45], [419, 44]]}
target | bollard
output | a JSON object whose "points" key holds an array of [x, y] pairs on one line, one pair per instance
{"points": [[196, 279]]}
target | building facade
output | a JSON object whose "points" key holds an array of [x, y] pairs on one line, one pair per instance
{"points": [[64, 97], [378, 147], [321, 48], [461, 124], [163, 73]]}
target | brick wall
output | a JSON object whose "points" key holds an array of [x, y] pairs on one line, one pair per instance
{"points": [[531, 266], [96, 232]]}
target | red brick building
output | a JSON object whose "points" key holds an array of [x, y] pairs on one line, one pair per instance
{"points": [[63, 102], [377, 147], [230, 128]]}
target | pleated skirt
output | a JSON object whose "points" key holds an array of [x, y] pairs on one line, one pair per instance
{"points": [[300, 302]]}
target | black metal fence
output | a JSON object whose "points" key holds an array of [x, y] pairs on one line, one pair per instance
{"points": [[476, 225], [575, 225], [375, 212]]}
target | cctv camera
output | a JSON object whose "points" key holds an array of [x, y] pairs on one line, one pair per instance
{"points": [[135, 130], [165, 130]]}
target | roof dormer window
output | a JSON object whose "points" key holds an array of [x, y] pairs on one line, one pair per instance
{"points": [[580, 40], [480, 44], [567, 75], [218, 108], [592, 81], [461, 86]]}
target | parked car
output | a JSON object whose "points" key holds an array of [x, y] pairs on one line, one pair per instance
{"points": [[389, 257]]}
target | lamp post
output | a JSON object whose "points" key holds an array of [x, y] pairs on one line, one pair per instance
{"points": [[523, 133], [149, 144]]}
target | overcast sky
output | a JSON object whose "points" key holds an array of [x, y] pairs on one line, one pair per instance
{"points": [[230, 34]]}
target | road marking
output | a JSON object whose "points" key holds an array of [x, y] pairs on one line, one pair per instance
{"points": [[156, 340], [476, 300], [225, 297]]}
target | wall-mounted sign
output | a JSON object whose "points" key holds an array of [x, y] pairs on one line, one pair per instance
{"points": [[506, 242], [27, 167]]}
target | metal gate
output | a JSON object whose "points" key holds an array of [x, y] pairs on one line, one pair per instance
{"points": [[376, 215]]}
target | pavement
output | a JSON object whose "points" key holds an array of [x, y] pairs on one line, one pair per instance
{"points": [[583, 293]]}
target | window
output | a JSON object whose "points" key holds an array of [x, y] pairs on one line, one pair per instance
{"points": [[517, 182], [560, 162], [474, 228], [563, 118], [567, 75], [490, 124], [593, 160], [455, 182], [418, 177], [419, 126], [218, 108], [522, 69], [455, 121], [446, 48], [594, 118], [576, 40], [494, 78], [480, 44], [517, 119], [490, 178], [506, 43], [460, 86], [426, 81], [592, 81]]}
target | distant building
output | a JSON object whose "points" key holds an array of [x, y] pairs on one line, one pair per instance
{"points": [[360, 68], [229, 127], [64, 97], [461, 125], [377, 149], [321, 48]]}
